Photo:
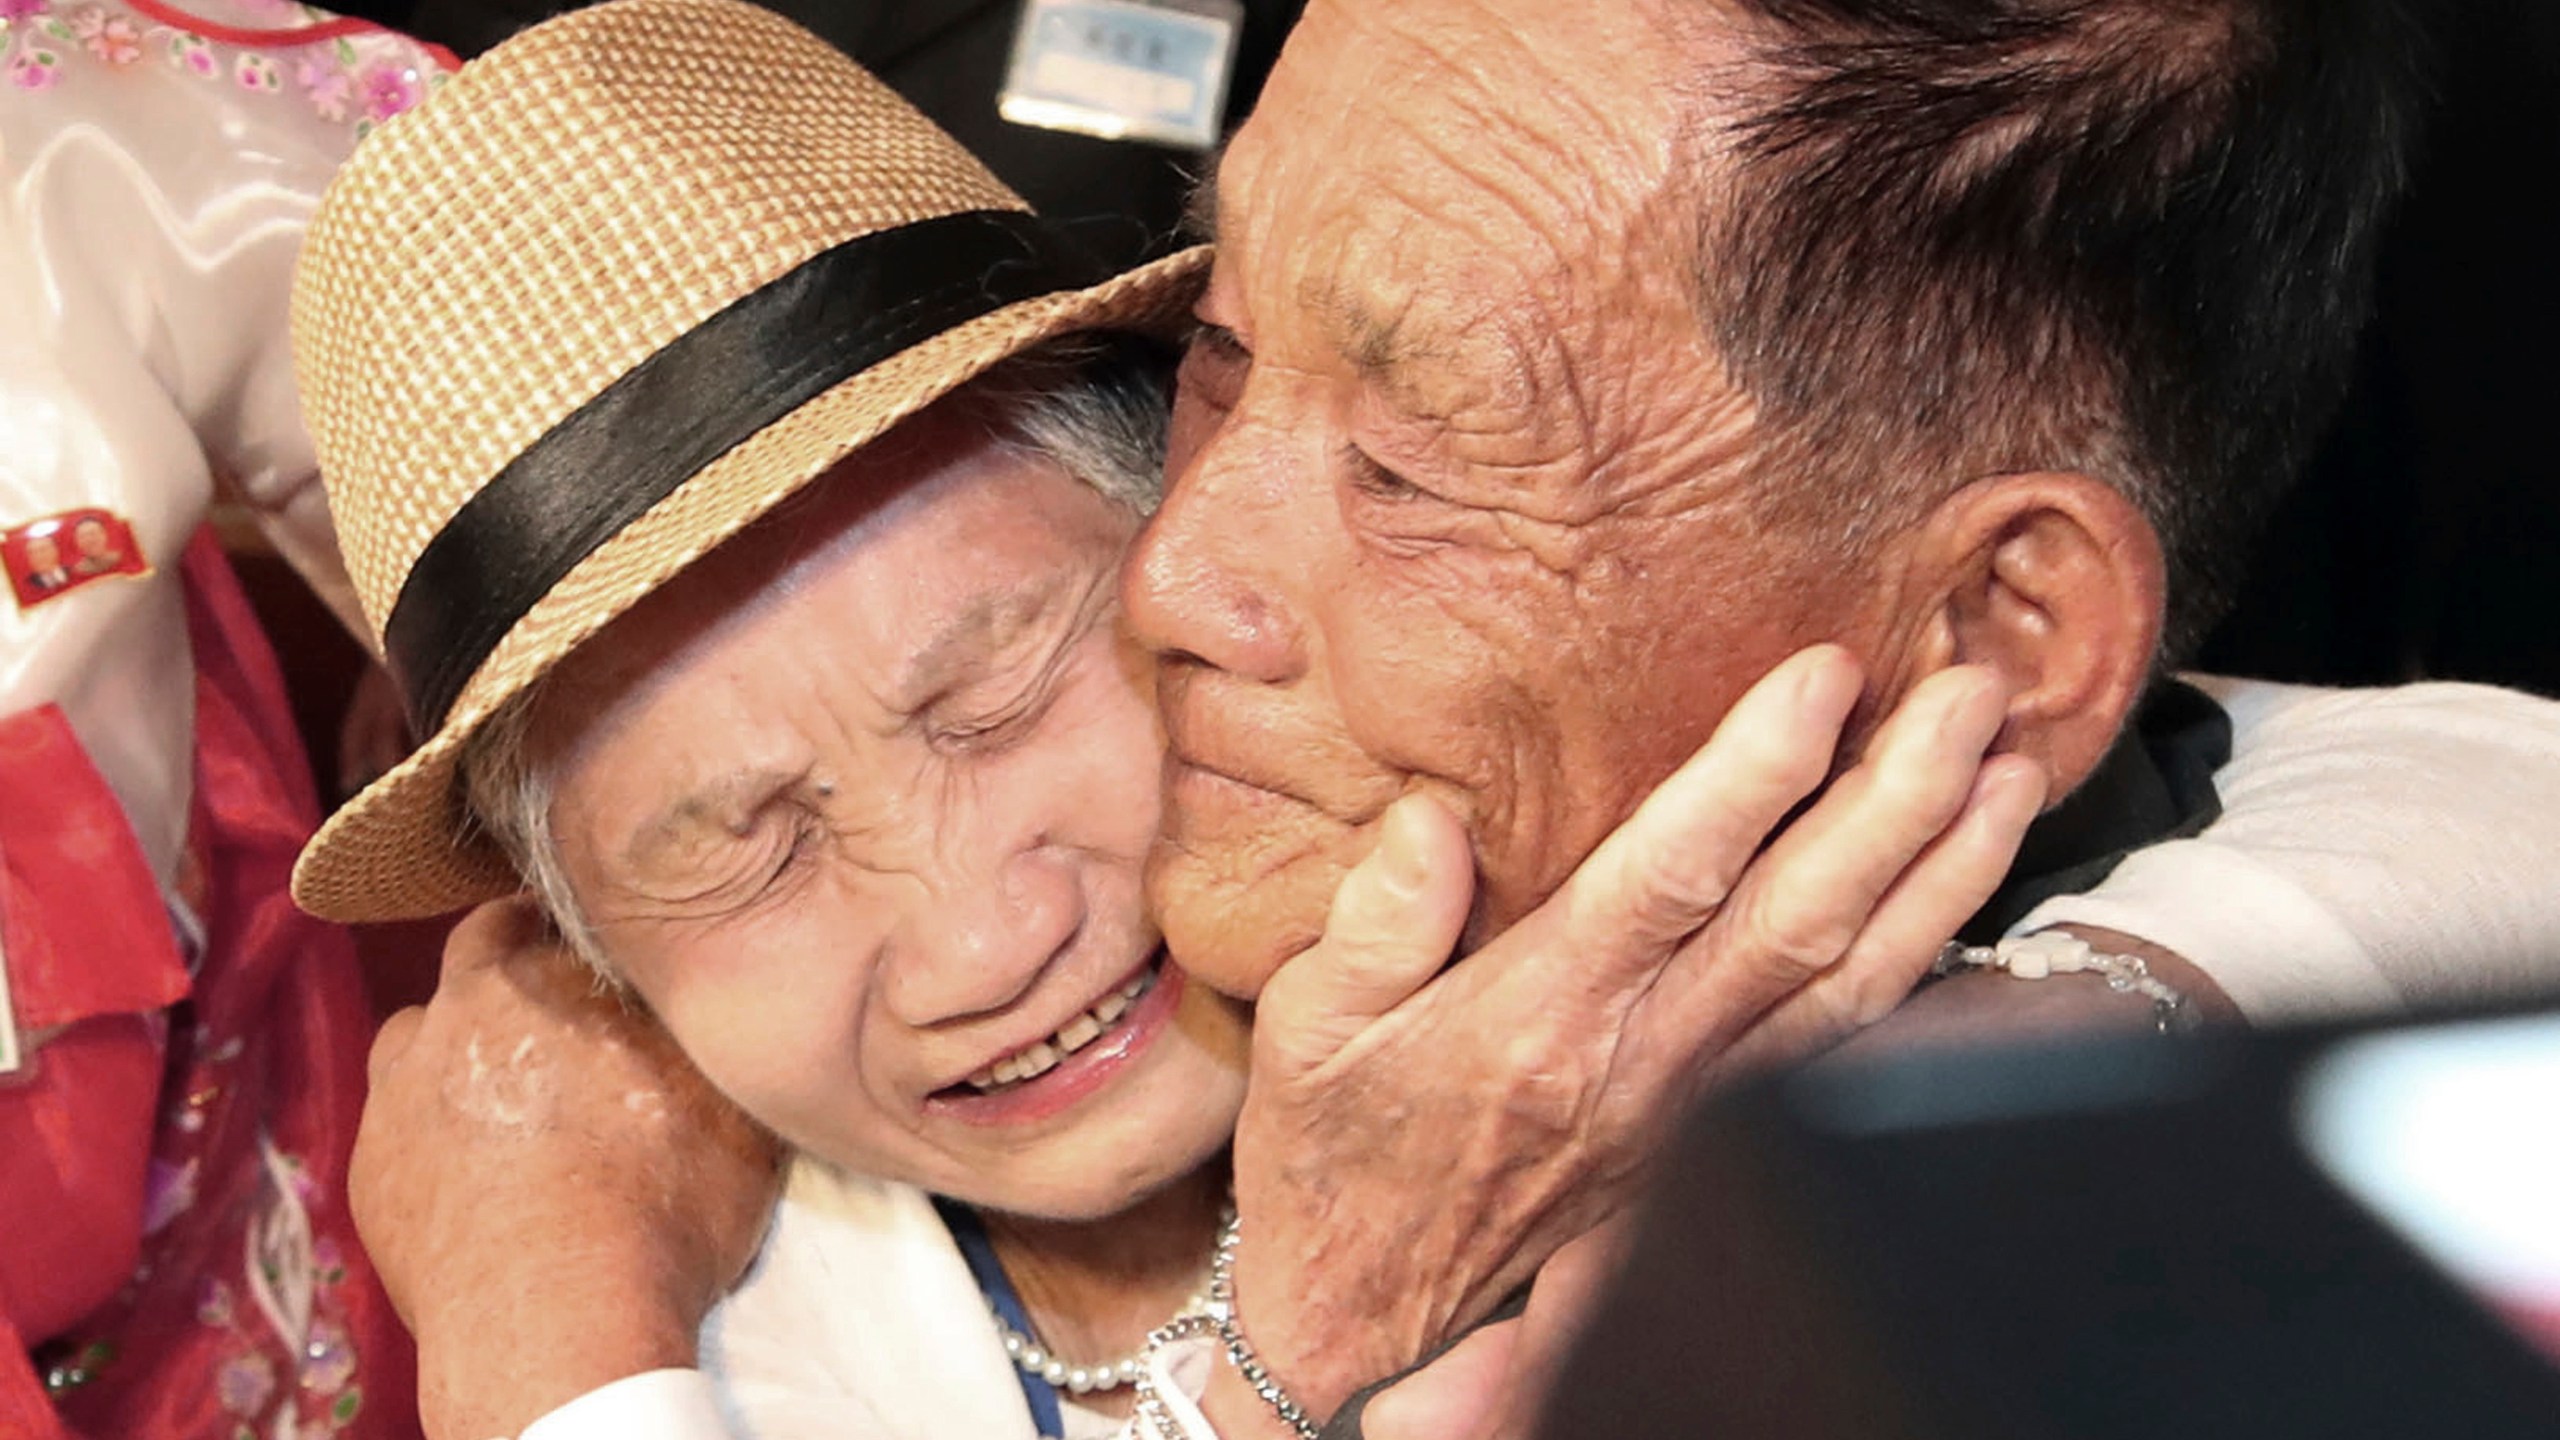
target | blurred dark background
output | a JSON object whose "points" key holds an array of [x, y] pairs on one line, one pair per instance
{"points": [[2426, 541]]}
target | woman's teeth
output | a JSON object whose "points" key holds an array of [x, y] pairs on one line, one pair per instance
{"points": [[1041, 1058]]}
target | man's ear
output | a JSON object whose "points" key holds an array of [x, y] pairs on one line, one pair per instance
{"points": [[2056, 581]]}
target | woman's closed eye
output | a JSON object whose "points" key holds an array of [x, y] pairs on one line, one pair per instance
{"points": [[1004, 707], [986, 729], [726, 868], [768, 852], [805, 830], [986, 722]]}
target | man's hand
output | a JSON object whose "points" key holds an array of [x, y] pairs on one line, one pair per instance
{"points": [[1494, 1384], [1416, 1142], [552, 1195]]}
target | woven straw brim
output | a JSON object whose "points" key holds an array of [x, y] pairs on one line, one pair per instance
{"points": [[404, 849]]}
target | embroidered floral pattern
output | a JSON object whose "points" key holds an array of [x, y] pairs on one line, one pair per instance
{"points": [[290, 1364], [388, 90], [287, 1360], [213, 1304], [193, 54], [35, 68], [246, 1383], [114, 39], [362, 79], [168, 1192], [328, 1359], [332, 91]]}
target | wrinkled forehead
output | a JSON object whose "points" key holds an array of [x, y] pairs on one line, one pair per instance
{"points": [[1531, 98], [1452, 165], [1476, 224], [1502, 91]]}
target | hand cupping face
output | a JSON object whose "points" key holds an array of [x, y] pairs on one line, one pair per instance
{"points": [[1419, 1140]]}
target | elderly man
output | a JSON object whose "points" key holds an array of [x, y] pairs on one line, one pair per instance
{"points": [[1951, 333], [1558, 387], [1540, 408]]}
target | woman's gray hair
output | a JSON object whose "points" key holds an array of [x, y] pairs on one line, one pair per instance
{"points": [[1095, 405], [507, 793]]}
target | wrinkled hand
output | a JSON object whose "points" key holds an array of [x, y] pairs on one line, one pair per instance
{"points": [[552, 1195], [1416, 1142], [1494, 1384]]}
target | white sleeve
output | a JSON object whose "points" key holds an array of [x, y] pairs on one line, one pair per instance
{"points": [[2377, 849], [658, 1405]]}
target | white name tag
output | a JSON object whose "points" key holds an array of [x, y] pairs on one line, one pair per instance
{"points": [[1124, 69]]}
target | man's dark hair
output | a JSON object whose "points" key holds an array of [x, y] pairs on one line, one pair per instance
{"points": [[2132, 238]]}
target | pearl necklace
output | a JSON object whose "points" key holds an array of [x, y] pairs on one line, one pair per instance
{"points": [[1039, 1364], [1031, 1359]]}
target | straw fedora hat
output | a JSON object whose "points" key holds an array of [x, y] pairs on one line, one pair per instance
{"points": [[618, 288]]}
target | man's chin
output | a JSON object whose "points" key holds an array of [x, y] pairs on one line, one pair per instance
{"points": [[1233, 934]]}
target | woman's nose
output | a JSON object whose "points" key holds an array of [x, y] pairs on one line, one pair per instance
{"points": [[969, 949]]}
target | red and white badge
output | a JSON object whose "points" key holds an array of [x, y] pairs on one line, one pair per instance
{"points": [[49, 558]]}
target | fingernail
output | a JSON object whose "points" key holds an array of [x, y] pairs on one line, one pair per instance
{"points": [[1996, 681], [2014, 791], [1818, 678], [1402, 868], [1809, 668], [1982, 704]]}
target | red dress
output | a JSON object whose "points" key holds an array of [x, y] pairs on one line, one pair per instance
{"points": [[176, 1261], [203, 1234]]}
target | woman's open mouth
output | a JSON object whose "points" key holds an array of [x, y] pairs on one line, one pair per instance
{"points": [[1033, 1061], [1079, 1057]]}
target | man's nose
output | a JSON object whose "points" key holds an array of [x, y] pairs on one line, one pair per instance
{"points": [[1202, 581], [974, 948]]}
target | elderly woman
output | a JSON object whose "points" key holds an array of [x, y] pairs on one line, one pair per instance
{"points": [[737, 480]]}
